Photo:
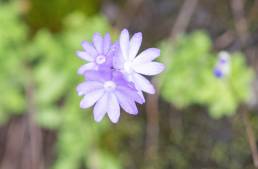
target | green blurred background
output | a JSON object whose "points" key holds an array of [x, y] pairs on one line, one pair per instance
{"points": [[195, 121]]}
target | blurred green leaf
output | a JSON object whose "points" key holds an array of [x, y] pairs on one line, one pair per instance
{"points": [[52, 13], [189, 78]]}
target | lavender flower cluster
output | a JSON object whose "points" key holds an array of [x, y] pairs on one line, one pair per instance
{"points": [[114, 74]]}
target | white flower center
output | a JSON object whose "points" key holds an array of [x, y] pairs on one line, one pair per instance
{"points": [[109, 85], [128, 67], [100, 59]]}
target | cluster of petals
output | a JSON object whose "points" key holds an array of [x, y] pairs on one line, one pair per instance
{"points": [[114, 74]]}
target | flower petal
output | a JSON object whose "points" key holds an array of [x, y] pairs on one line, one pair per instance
{"points": [[143, 84], [151, 68], [133, 94], [98, 42], [147, 56], [88, 86], [124, 43], [100, 108], [106, 43], [88, 66], [140, 93], [113, 108], [85, 56], [113, 50], [126, 103], [89, 48], [90, 98], [112, 53], [135, 44], [100, 75], [118, 61]]}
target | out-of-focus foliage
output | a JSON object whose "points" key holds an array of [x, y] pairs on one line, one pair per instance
{"points": [[12, 78], [53, 12], [189, 76], [195, 142], [47, 66]]}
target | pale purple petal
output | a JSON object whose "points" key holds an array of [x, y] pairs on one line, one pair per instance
{"points": [[113, 50], [147, 55], [119, 78], [143, 84], [124, 43], [111, 54], [113, 108], [88, 86], [151, 68], [135, 44], [106, 43], [88, 66], [140, 93], [127, 87], [98, 42], [85, 56], [89, 48], [100, 108], [133, 94], [100, 75], [90, 98], [126, 103], [118, 62]]}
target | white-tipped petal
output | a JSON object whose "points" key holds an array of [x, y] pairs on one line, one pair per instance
{"points": [[88, 66], [100, 108], [147, 55], [143, 84], [135, 44], [89, 48], [98, 42], [113, 108], [91, 98], [124, 43], [88, 86], [151, 68], [126, 103], [106, 43], [85, 56]]}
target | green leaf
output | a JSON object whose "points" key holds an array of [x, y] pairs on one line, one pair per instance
{"points": [[189, 79]]}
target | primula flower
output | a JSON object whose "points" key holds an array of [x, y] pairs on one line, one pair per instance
{"points": [[108, 90], [114, 75], [222, 67], [134, 66], [99, 53]]}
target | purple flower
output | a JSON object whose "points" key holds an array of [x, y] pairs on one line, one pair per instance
{"points": [[107, 90], [99, 53], [114, 75], [134, 66], [222, 67]]}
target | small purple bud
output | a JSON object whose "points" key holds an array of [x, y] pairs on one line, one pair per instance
{"points": [[218, 73], [222, 67]]}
